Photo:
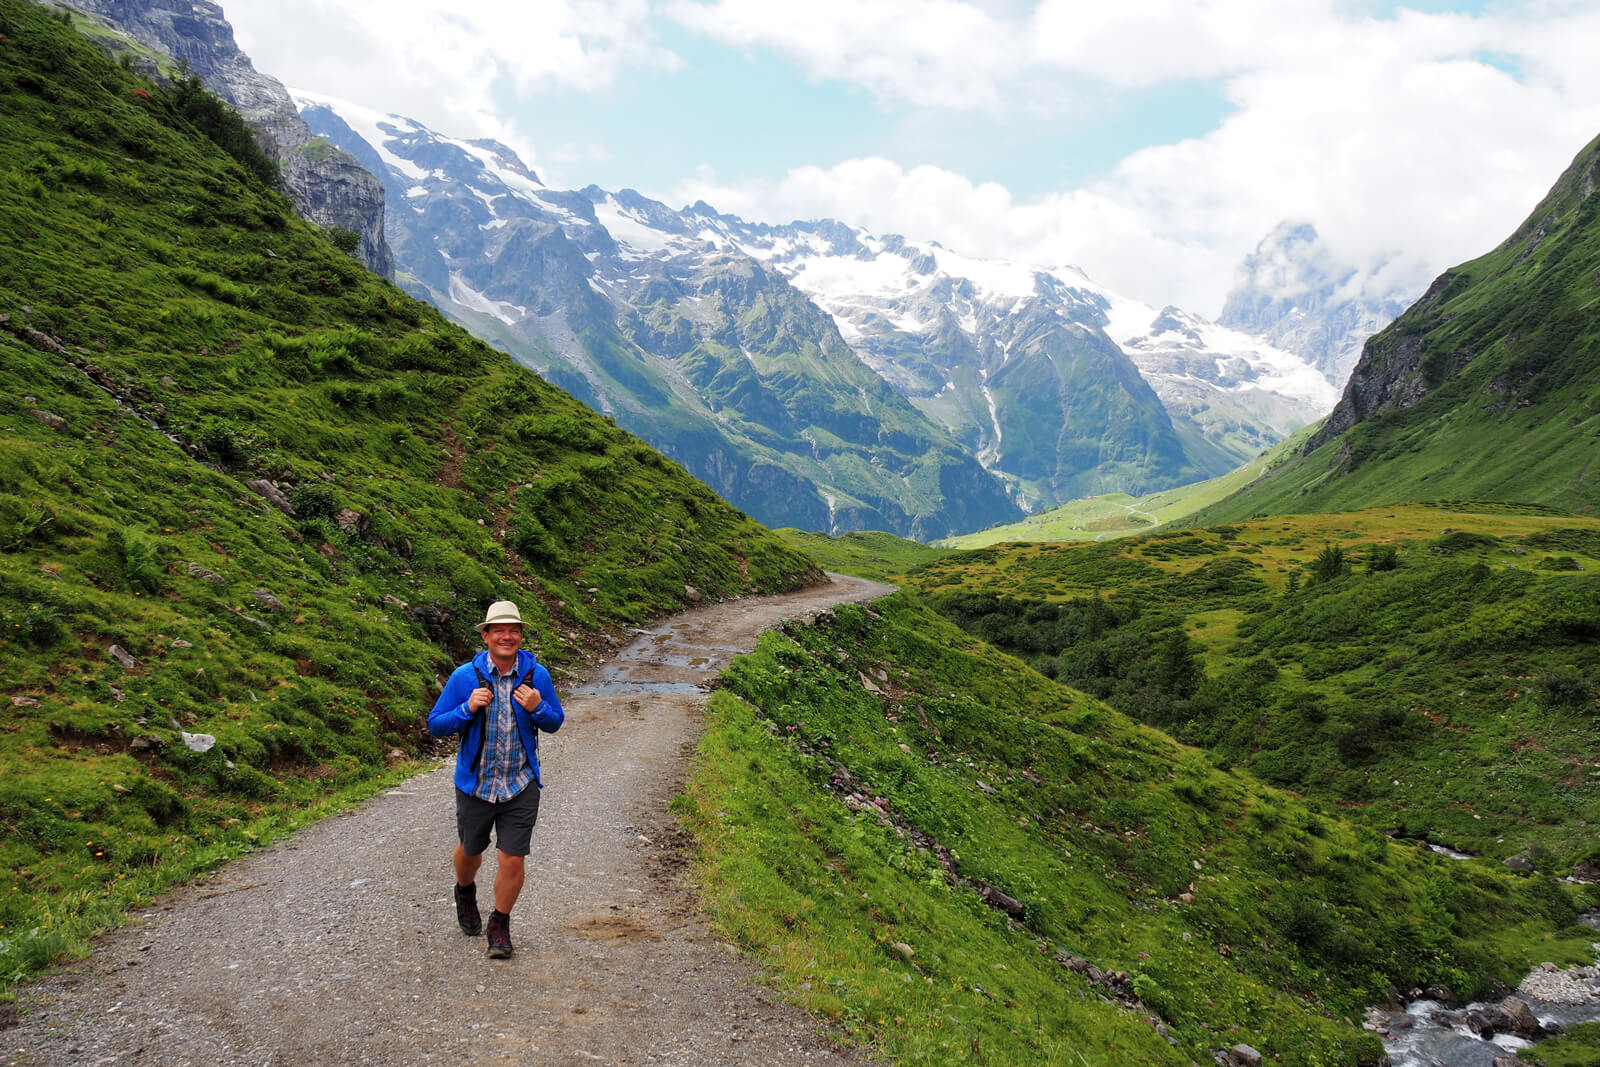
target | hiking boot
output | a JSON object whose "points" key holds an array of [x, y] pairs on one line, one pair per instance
{"points": [[467, 910], [499, 936]]}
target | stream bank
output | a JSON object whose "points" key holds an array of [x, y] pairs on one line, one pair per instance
{"points": [[1426, 1032]]}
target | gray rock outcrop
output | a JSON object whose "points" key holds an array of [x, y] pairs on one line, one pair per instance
{"points": [[327, 186]]}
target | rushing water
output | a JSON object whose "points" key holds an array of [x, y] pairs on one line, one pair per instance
{"points": [[1429, 1034]]}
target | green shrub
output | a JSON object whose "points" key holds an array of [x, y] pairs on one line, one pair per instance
{"points": [[34, 525], [224, 442], [1329, 564], [138, 558], [33, 626], [346, 241], [314, 500], [1463, 541], [1566, 687]]}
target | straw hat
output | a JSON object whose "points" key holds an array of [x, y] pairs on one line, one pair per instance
{"points": [[501, 611]]}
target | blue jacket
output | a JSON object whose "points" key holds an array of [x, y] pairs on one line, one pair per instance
{"points": [[450, 714]]}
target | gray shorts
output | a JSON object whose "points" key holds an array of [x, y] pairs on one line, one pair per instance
{"points": [[512, 821]]}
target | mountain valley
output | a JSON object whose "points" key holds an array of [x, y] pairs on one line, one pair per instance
{"points": [[1155, 799], [1016, 387]]}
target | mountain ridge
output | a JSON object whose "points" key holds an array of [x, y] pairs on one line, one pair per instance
{"points": [[1292, 291], [1070, 411], [703, 356]]}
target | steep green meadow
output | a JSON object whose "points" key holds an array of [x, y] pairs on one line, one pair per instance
{"points": [[1103, 518], [249, 490], [1488, 388], [870, 554], [960, 860], [1429, 671]]}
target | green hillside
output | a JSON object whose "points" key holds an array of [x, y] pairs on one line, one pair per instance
{"points": [[248, 490], [1488, 388], [1102, 518], [871, 554], [1428, 671], [959, 860]]}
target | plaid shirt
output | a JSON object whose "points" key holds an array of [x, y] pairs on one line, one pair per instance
{"points": [[506, 770]]}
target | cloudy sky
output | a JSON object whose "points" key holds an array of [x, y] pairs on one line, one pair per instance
{"points": [[1152, 143]]}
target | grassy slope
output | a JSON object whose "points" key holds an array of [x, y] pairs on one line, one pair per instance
{"points": [[169, 333], [1508, 348], [871, 554], [1452, 697], [864, 780], [1103, 518]]}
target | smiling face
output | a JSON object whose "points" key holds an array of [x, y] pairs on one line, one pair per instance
{"points": [[502, 640]]}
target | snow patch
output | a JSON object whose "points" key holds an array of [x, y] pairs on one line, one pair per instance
{"points": [[990, 454], [833, 278], [993, 277], [468, 297], [627, 229], [367, 125], [491, 163]]}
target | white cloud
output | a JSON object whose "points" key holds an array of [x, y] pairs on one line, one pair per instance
{"points": [[443, 63], [1402, 140], [1416, 140], [1136, 43], [933, 53]]}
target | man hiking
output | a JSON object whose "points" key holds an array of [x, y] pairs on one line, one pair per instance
{"points": [[498, 701]]}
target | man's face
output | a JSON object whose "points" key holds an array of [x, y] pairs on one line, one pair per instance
{"points": [[502, 639]]}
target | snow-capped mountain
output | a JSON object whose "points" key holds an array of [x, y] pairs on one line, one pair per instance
{"points": [[938, 325], [1293, 292], [1237, 393], [704, 352], [814, 374]]}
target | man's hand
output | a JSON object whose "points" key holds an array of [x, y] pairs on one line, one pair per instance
{"points": [[526, 695], [479, 699]]}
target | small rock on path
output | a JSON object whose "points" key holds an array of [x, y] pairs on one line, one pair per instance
{"points": [[339, 945]]}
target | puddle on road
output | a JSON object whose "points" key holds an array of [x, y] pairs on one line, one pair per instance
{"points": [[619, 688], [657, 659], [706, 653]]}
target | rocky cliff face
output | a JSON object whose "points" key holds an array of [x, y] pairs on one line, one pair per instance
{"points": [[328, 187], [1389, 375]]}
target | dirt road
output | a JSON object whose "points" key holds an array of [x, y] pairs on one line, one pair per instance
{"points": [[340, 946]]}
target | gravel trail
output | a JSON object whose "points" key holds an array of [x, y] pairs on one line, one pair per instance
{"points": [[339, 945]]}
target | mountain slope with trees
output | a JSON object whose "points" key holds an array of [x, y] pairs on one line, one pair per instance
{"points": [[1430, 671]]}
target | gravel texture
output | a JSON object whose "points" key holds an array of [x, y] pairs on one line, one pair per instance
{"points": [[339, 945]]}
